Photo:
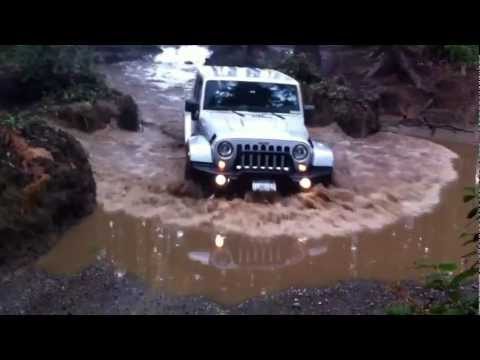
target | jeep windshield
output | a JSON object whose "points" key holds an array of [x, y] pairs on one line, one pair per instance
{"points": [[251, 96]]}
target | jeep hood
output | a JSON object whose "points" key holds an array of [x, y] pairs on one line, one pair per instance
{"points": [[227, 124]]}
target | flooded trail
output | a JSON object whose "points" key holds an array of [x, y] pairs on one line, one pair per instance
{"points": [[397, 199], [232, 268]]}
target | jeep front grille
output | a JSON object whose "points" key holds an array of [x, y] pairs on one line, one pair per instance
{"points": [[263, 158]]}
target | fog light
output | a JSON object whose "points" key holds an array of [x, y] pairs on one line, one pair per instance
{"points": [[219, 241], [305, 183], [302, 167], [220, 180], [221, 165]]}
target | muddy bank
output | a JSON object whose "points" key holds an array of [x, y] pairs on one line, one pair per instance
{"points": [[46, 184]]}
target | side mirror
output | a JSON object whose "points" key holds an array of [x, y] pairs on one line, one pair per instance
{"points": [[193, 108], [308, 113]]}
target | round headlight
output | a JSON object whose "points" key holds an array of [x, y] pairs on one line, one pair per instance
{"points": [[225, 149], [300, 152]]}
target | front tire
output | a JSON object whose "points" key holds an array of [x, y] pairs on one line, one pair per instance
{"points": [[199, 180], [327, 180], [189, 173]]}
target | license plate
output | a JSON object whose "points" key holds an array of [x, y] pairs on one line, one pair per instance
{"points": [[264, 185]]}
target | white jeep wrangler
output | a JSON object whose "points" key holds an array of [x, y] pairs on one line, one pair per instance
{"points": [[247, 126]]}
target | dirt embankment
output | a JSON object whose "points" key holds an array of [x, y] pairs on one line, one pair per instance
{"points": [[46, 183], [413, 90]]}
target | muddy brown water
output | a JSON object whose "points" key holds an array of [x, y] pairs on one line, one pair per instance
{"points": [[217, 248], [231, 268]]}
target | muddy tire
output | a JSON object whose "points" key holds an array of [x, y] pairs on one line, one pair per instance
{"points": [[327, 180], [189, 173], [201, 181]]}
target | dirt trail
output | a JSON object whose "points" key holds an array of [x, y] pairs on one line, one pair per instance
{"points": [[378, 180]]}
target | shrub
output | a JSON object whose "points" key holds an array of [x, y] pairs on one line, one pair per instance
{"points": [[466, 54], [61, 73], [462, 53], [8, 120], [51, 67], [17, 121]]}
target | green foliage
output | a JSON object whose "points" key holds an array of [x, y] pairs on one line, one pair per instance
{"points": [[443, 278], [472, 195], [16, 121], [80, 92], [401, 309], [9, 120], [463, 53], [48, 68], [467, 54], [55, 74], [39, 62]]}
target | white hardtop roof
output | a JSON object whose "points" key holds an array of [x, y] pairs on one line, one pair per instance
{"points": [[235, 73]]}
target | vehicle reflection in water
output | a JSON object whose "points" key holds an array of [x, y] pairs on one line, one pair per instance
{"points": [[248, 255], [226, 268]]}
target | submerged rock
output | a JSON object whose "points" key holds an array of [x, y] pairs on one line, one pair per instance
{"points": [[82, 116], [90, 117], [128, 113]]}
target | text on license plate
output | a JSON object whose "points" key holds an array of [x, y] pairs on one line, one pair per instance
{"points": [[264, 185]]}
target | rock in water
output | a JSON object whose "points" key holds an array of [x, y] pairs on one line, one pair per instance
{"points": [[128, 109], [80, 116], [87, 117], [90, 117]]}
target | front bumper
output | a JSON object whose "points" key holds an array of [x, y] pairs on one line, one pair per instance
{"points": [[315, 174]]}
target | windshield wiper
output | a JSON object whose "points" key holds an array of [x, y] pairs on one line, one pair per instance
{"points": [[280, 116], [239, 114]]}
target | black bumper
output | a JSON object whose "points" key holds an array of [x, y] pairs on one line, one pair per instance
{"points": [[315, 174]]}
